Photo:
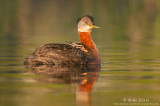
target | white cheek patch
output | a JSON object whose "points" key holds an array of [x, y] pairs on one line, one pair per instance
{"points": [[84, 29]]}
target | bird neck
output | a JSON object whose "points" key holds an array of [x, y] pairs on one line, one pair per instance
{"points": [[86, 39]]}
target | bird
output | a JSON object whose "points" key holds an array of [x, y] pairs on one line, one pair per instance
{"points": [[84, 52]]}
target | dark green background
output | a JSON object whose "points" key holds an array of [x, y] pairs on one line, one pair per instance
{"points": [[128, 41]]}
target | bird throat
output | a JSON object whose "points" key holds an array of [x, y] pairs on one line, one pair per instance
{"points": [[86, 39]]}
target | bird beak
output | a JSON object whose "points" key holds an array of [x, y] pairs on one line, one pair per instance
{"points": [[94, 26]]}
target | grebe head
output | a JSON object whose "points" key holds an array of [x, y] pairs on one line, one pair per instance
{"points": [[86, 23]]}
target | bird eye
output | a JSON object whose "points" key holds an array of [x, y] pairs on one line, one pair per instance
{"points": [[86, 22]]}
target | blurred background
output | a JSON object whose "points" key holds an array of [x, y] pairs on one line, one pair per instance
{"points": [[36, 22], [128, 41], [136, 21]]}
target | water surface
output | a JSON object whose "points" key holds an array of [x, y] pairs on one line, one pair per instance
{"points": [[128, 42]]}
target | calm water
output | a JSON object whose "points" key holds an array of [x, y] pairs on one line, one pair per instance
{"points": [[128, 42]]}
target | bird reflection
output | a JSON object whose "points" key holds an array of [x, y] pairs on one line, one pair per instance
{"points": [[83, 76]]}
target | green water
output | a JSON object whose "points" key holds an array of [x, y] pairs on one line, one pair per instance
{"points": [[128, 42]]}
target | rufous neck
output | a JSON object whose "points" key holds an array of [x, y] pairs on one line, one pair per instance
{"points": [[86, 39]]}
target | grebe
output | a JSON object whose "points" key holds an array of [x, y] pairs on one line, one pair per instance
{"points": [[69, 54]]}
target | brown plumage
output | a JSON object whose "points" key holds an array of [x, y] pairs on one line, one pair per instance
{"points": [[68, 54], [63, 54]]}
